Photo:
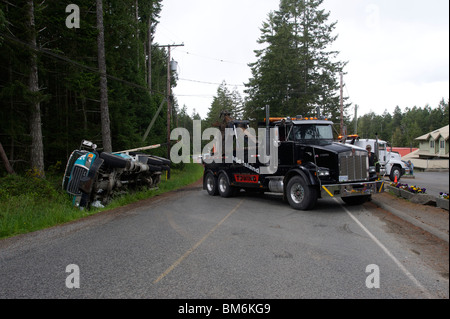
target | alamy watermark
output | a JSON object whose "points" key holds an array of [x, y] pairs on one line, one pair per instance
{"points": [[373, 280], [73, 279], [373, 17], [241, 145], [73, 19]]}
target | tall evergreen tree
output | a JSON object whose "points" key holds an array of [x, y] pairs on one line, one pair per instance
{"points": [[37, 145], [296, 71], [104, 107], [225, 100]]}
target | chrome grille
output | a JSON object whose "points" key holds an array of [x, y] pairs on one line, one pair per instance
{"points": [[353, 168], [77, 173]]}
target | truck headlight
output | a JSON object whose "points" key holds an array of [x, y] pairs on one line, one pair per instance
{"points": [[323, 172]]}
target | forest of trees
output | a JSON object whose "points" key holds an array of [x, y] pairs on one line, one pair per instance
{"points": [[54, 90], [402, 127], [105, 80]]}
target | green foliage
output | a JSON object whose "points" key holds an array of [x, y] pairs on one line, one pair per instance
{"points": [[402, 128], [69, 80], [2, 24], [225, 100], [28, 185]]}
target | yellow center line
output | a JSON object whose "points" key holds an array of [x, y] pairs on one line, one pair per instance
{"points": [[190, 250]]}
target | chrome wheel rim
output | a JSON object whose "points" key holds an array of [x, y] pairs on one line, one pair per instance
{"points": [[222, 184], [297, 193], [210, 183]]}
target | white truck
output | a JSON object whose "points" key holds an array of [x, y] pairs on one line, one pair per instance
{"points": [[391, 163]]}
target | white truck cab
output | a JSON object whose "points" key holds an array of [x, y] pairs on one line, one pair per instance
{"points": [[391, 163]]}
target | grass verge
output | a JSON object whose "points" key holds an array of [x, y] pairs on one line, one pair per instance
{"points": [[29, 204]]}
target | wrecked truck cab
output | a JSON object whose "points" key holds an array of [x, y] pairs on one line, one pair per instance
{"points": [[93, 178]]}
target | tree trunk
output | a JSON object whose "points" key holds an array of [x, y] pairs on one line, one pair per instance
{"points": [[37, 146], [104, 108], [149, 52], [4, 158], [85, 119], [136, 7]]}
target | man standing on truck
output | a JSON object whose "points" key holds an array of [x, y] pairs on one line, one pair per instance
{"points": [[373, 160]]}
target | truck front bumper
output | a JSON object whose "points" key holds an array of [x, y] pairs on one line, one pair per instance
{"points": [[352, 189]]}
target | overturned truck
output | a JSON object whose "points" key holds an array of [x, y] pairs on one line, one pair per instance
{"points": [[93, 178]]}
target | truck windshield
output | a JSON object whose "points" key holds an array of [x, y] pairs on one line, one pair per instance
{"points": [[306, 132]]}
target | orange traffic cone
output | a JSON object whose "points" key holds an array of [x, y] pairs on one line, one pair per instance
{"points": [[395, 180]]}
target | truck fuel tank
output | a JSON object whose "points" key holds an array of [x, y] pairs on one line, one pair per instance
{"points": [[276, 184]]}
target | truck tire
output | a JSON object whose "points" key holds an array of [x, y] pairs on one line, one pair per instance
{"points": [[154, 168], [356, 200], [396, 171], [154, 161], [211, 184], [164, 160], [300, 195], [224, 187]]}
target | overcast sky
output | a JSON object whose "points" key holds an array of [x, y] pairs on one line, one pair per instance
{"points": [[397, 50]]}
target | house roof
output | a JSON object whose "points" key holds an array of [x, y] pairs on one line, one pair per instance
{"points": [[435, 135], [403, 151]]}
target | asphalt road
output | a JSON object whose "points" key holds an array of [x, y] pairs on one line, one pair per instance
{"points": [[188, 244], [434, 182]]}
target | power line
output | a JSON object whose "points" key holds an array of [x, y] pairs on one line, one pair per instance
{"points": [[196, 95], [68, 60], [213, 83], [96, 70], [210, 58]]}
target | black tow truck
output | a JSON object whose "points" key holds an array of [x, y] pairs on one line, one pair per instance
{"points": [[311, 165]]}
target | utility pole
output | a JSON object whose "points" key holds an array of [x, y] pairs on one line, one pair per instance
{"points": [[149, 50], [169, 108]]}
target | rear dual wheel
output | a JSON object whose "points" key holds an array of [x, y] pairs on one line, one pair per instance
{"points": [[219, 186], [224, 187], [211, 184]]}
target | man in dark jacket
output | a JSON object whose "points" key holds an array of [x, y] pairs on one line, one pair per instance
{"points": [[373, 160]]}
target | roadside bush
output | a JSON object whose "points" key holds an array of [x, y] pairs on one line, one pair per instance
{"points": [[16, 185]]}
